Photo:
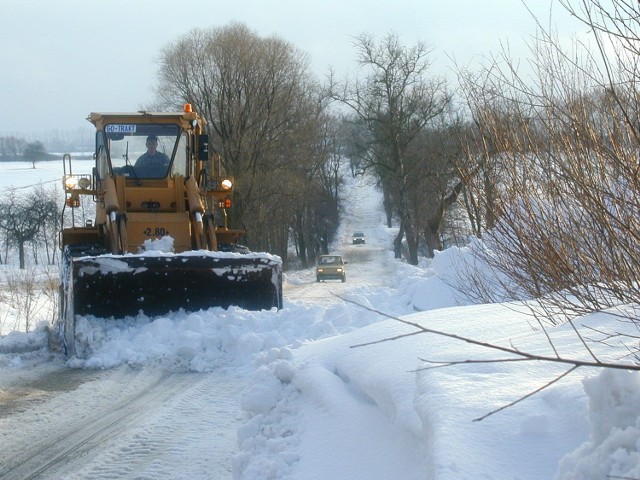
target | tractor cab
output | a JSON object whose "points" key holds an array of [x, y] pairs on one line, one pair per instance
{"points": [[141, 151]]}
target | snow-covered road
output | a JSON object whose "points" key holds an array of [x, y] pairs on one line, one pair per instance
{"points": [[161, 398], [123, 422]]}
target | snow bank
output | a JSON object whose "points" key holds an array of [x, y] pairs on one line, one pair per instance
{"points": [[612, 450]]}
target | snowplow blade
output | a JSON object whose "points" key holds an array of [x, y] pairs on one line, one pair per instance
{"points": [[120, 285]]}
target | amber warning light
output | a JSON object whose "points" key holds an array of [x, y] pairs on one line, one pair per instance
{"points": [[224, 203], [72, 202]]}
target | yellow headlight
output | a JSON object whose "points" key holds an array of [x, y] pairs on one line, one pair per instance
{"points": [[71, 182]]}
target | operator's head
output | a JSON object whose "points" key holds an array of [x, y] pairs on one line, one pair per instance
{"points": [[152, 138]]}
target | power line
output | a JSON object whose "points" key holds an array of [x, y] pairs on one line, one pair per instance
{"points": [[8, 189]]}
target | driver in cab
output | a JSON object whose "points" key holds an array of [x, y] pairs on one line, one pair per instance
{"points": [[152, 160]]}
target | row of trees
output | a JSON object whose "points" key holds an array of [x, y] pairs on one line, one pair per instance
{"points": [[547, 164], [408, 139], [13, 149], [554, 164], [272, 126], [14, 145], [552, 169], [549, 167], [30, 219], [269, 126]]}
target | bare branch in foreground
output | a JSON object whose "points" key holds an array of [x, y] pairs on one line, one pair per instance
{"points": [[530, 394], [528, 356], [465, 362], [519, 355]]}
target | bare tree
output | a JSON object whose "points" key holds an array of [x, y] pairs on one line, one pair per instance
{"points": [[395, 101], [565, 169], [497, 124], [317, 215], [11, 148], [33, 152], [23, 217], [45, 245], [434, 183], [264, 119]]}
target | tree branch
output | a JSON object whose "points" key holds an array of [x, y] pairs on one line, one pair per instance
{"points": [[519, 353], [530, 394]]}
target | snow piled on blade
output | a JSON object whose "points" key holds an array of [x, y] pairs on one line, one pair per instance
{"points": [[164, 244], [263, 256], [105, 265]]}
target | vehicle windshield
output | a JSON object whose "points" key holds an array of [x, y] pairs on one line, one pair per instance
{"points": [[145, 151], [329, 260]]}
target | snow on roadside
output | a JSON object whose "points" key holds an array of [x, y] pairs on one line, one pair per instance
{"points": [[325, 407], [611, 450], [205, 340], [322, 404]]}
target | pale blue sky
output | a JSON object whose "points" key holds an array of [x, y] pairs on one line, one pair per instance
{"points": [[62, 59]]}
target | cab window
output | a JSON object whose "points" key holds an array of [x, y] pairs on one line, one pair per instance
{"points": [[143, 150]]}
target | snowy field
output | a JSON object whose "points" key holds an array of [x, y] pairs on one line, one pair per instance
{"points": [[327, 388], [22, 175]]}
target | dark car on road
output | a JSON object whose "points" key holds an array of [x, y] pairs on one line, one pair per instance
{"points": [[331, 267], [358, 238]]}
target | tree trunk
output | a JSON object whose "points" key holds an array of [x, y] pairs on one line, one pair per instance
{"points": [[409, 228], [324, 244], [397, 242], [302, 250], [432, 237], [35, 252], [302, 244], [412, 245], [21, 255], [386, 202]]}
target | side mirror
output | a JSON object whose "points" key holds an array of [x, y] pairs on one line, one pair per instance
{"points": [[203, 147]]}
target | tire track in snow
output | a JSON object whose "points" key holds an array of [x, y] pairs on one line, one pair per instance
{"points": [[168, 442], [55, 454]]}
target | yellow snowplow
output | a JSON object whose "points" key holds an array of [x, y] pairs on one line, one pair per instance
{"points": [[159, 240]]}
